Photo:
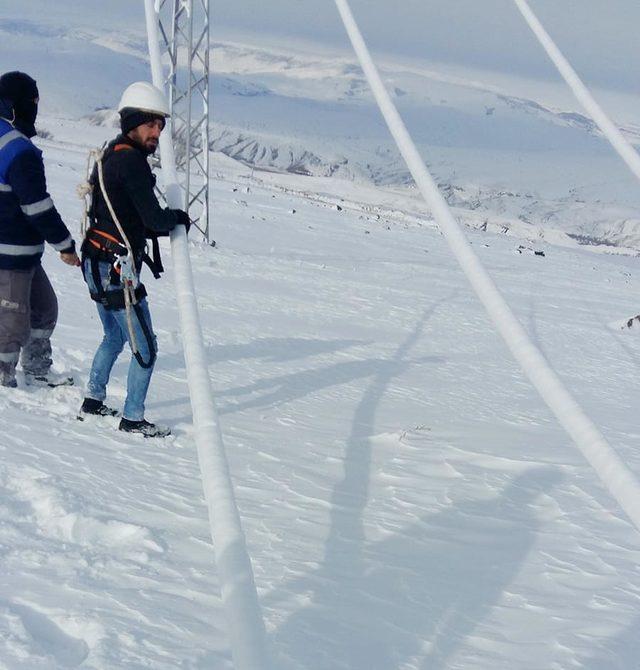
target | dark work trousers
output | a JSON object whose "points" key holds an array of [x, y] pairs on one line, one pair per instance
{"points": [[28, 315]]}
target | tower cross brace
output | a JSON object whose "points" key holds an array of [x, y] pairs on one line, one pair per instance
{"points": [[184, 29]]}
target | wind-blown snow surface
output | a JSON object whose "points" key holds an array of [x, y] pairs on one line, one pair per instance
{"points": [[407, 499]]}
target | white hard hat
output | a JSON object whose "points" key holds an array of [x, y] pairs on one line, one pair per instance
{"points": [[146, 97]]}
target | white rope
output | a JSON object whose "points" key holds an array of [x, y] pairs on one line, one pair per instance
{"points": [[239, 596], [608, 465], [84, 191], [628, 154], [112, 211]]}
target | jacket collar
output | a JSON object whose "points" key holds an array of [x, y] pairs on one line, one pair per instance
{"points": [[125, 139]]}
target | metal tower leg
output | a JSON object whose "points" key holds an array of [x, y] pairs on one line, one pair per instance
{"points": [[184, 29]]}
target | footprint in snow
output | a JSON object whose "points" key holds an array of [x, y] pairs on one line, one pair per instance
{"points": [[59, 518]]}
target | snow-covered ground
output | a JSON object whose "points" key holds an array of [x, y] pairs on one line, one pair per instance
{"points": [[408, 501]]}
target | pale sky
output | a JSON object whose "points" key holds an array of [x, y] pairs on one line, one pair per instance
{"points": [[600, 37]]}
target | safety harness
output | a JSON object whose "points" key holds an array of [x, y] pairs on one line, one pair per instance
{"points": [[99, 246]]}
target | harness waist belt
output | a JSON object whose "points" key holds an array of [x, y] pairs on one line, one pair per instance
{"points": [[114, 299]]}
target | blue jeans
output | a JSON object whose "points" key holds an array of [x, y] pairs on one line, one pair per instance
{"points": [[116, 333]]}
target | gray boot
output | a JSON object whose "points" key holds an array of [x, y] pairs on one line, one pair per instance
{"points": [[36, 355], [8, 372]]}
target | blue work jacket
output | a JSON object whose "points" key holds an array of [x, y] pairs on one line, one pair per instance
{"points": [[28, 217]]}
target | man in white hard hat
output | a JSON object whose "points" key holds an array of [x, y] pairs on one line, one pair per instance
{"points": [[124, 213]]}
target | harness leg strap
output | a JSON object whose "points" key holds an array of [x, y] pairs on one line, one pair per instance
{"points": [[148, 337]]}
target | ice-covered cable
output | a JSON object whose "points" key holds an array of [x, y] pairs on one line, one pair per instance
{"points": [[239, 596], [628, 154], [616, 476]]}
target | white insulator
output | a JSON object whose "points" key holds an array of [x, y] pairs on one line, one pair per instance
{"points": [[239, 595], [619, 480]]}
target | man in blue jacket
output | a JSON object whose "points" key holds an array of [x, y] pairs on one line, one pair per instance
{"points": [[28, 219]]}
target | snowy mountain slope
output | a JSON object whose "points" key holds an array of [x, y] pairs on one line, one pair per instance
{"points": [[75, 70], [445, 112], [500, 153], [408, 500], [509, 145], [297, 74], [599, 38]]}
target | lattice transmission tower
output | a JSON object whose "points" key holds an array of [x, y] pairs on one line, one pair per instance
{"points": [[184, 29]]}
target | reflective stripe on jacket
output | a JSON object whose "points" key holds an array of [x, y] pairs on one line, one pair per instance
{"points": [[28, 217]]}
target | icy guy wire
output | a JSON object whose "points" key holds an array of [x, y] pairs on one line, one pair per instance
{"points": [[618, 479], [237, 585], [628, 154]]}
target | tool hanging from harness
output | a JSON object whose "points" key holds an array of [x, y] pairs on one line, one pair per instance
{"points": [[99, 246], [105, 248]]}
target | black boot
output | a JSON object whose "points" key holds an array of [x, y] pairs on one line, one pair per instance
{"points": [[143, 427], [96, 408], [48, 380]]}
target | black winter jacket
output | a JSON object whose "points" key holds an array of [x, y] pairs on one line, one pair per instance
{"points": [[129, 183]]}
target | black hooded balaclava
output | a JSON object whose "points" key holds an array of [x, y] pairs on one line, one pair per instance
{"points": [[18, 93]]}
